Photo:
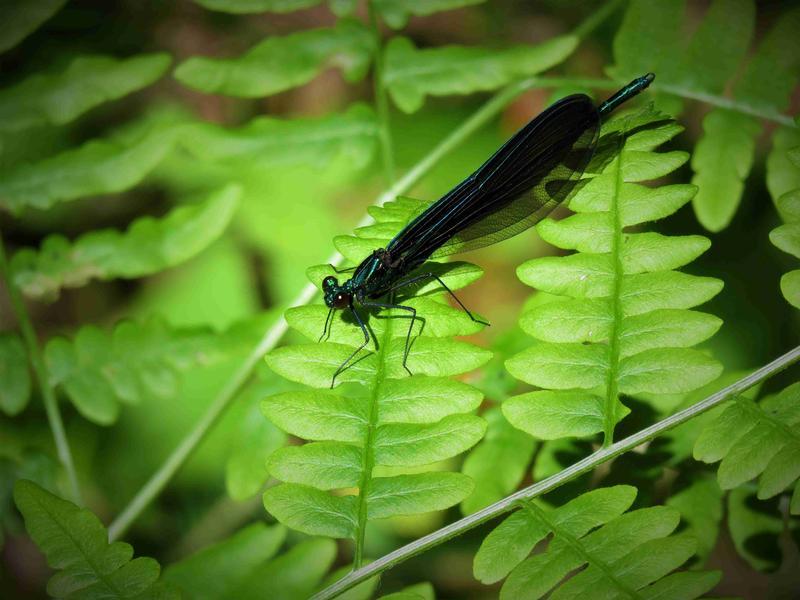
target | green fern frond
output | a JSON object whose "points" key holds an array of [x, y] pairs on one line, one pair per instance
{"points": [[20, 20], [412, 74], [757, 439], [99, 371], [760, 530], [247, 565], [619, 322], [783, 181], [75, 544], [625, 554], [282, 63], [497, 464], [87, 81], [16, 389], [276, 143], [702, 68], [396, 13], [241, 7], [103, 166], [253, 438], [387, 419], [147, 247], [701, 506]]}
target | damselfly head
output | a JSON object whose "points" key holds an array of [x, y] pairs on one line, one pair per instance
{"points": [[335, 296]]}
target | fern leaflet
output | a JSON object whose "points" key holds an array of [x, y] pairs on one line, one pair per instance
{"points": [[383, 423], [397, 12], [757, 439], [625, 554], [75, 543], [103, 166], [783, 181], [20, 20], [412, 74], [56, 99], [282, 63], [16, 389], [99, 371], [619, 322], [148, 246], [702, 68]]}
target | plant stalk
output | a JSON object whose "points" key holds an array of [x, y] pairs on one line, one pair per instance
{"points": [[42, 379], [381, 101], [546, 485]]}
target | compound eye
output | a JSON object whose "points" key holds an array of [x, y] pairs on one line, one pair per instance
{"points": [[329, 282], [341, 300]]}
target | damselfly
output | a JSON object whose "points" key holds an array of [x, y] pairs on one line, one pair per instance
{"points": [[533, 172]]}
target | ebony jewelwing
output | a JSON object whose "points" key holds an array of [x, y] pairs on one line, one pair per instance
{"points": [[533, 172]]}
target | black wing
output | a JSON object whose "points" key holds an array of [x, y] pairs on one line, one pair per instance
{"points": [[517, 187]]}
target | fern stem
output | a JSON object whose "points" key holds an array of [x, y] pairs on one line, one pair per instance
{"points": [[381, 101], [585, 465], [273, 335], [712, 99], [42, 378], [596, 18], [612, 385]]}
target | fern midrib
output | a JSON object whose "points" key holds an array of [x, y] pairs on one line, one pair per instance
{"points": [[368, 460], [578, 548], [612, 386]]}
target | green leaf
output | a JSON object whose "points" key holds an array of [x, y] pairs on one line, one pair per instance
{"points": [[294, 575], [420, 591], [624, 554], [21, 19], [86, 82], [647, 25], [412, 74], [255, 6], [790, 287], [725, 154], [700, 505], [75, 544], [497, 464], [667, 371], [718, 46], [722, 161], [98, 371], [783, 181], [755, 439], [619, 323], [416, 494], [16, 389], [549, 415], [381, 434], [412, 444], [396, 12], [104, 166], [312, 511], [756, 528], [278, 143], [282, 63], [253, 440], [783, 173], [219, 570], [148, 246], [771, 75]]}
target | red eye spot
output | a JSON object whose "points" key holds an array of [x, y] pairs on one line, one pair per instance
{"points": [[341, 300]]}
